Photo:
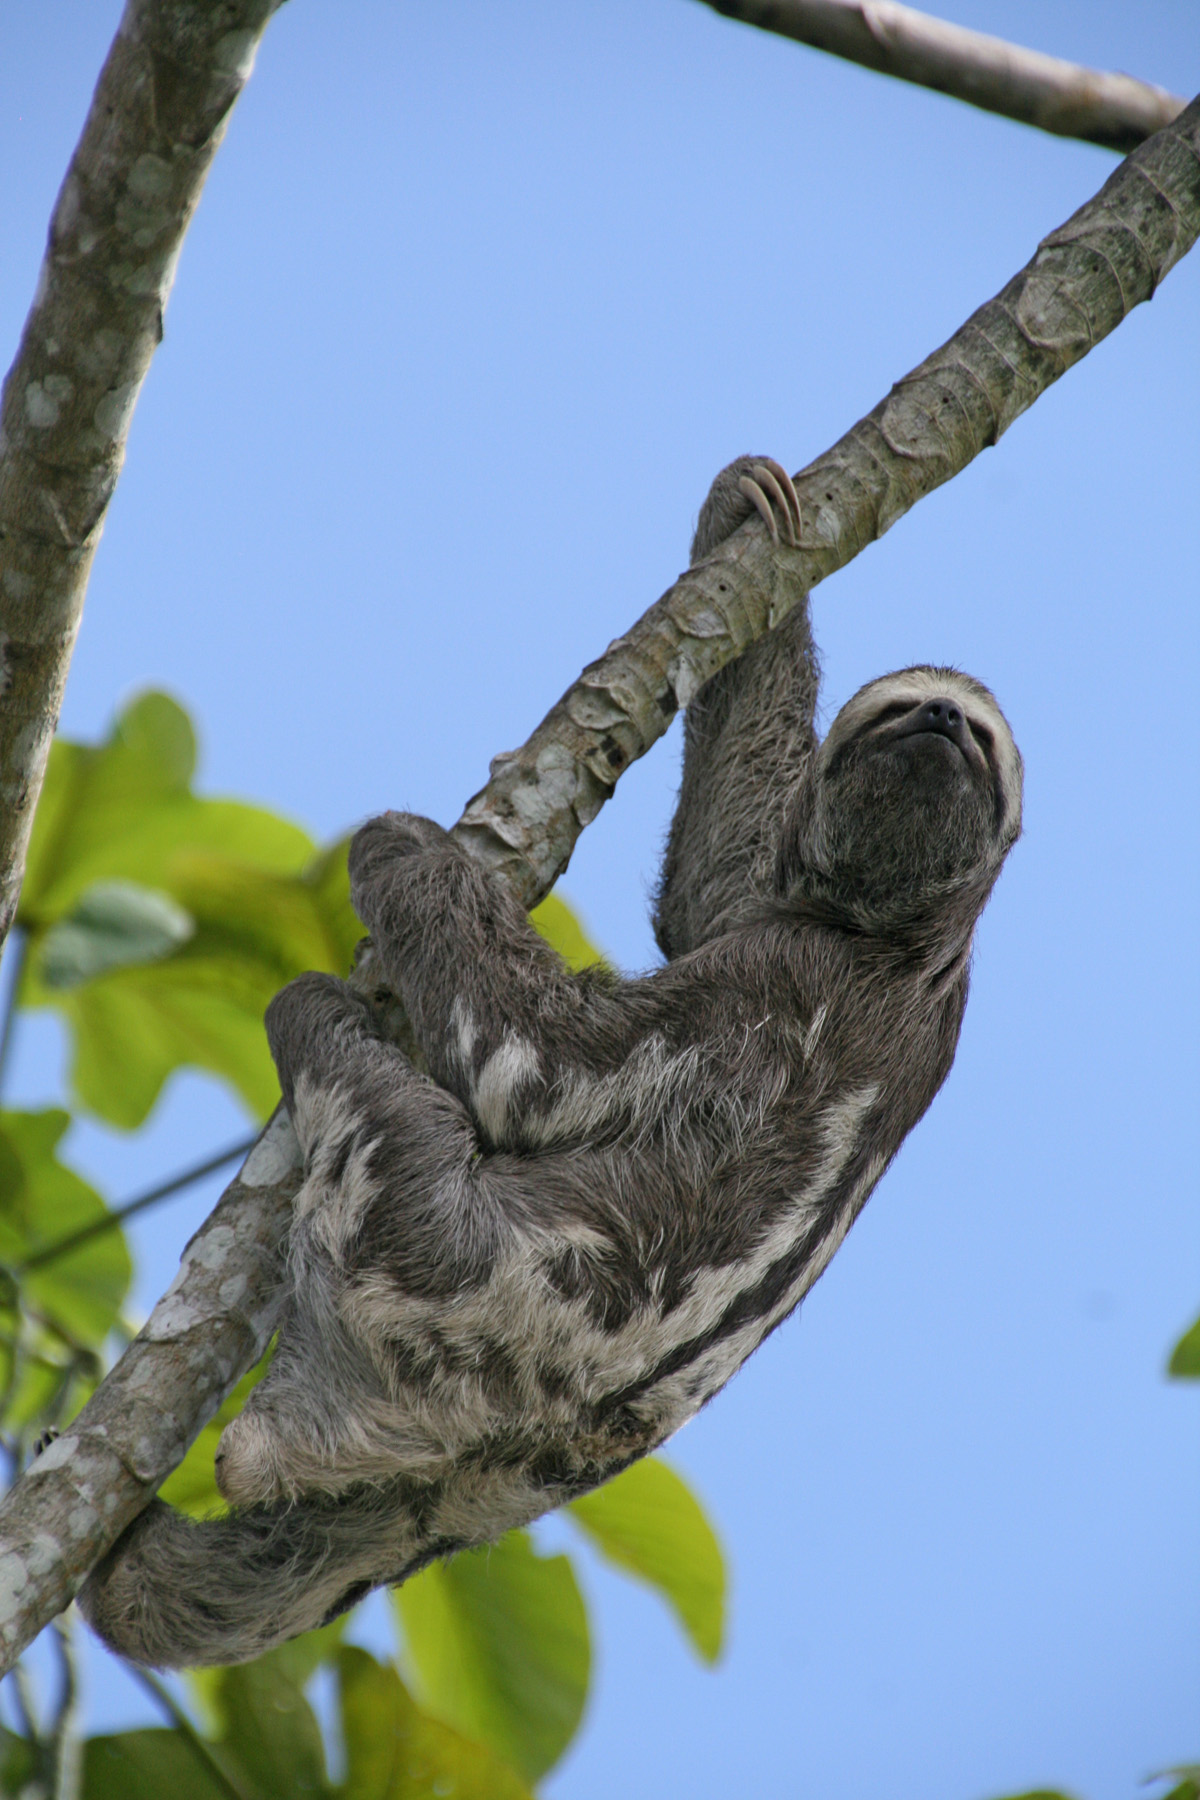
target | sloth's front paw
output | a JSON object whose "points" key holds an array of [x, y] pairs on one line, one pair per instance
{"points": [[747, 485], [381, 842], [768, 487]]}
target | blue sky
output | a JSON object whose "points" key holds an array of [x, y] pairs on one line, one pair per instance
{"points": [[476, 302]]}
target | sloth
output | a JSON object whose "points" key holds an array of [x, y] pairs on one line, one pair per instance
{"points": [[514, 1274]]}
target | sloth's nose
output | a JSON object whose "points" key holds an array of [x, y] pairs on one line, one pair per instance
{"points": [[943, 716]]}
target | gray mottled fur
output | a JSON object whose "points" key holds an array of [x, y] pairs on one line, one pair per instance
{"points": [[514, 1276]]}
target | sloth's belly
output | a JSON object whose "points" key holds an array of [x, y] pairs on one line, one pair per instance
{"points": [[532, 1402]]}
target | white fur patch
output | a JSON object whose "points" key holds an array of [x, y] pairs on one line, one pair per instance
{"points": [[464, 1031], [493, 1093]]}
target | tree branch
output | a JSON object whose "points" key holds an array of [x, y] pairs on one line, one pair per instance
{"points": [[1101, 108], [157, 117], [216, 1318]]}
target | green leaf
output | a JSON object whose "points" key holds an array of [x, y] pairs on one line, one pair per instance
{"points": [[291, 1664], [1188, 1788], [562, 930], [394, 1751], [115, 923], [123, 809], [133, 1028], [1185, 1362], [41, 1201], [648, 1521], [160, 924], [269, 1736], [122, 850], [18, 1762], [192, 1486], [498, 1642], [253, 930], [147, 1765]]}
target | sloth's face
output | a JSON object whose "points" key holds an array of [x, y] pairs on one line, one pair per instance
{"points": [[917, 795]]}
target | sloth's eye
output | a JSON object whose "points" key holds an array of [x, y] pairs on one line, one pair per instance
{"points": [[895, 709]]}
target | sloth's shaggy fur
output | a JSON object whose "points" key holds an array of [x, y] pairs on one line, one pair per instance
{"points": [[512, 1277]]}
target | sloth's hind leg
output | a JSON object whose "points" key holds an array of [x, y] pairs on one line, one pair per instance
{"points": [[388, 1206]]}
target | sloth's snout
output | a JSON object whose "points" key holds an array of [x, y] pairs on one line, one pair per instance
{"points": [[943, 716]]}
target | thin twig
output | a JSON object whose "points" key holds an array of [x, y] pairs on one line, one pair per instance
{"points": [[64, 1738], [13, 965], [119, 1214], [202, 1751], [19, 1677], [1116, 111]]}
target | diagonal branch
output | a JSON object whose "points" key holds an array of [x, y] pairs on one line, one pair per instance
{"points": [[1064, 97], [157, 117], [1083, 280]]}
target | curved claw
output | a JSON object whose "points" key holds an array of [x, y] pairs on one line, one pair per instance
{"points": [[770, 491], [760, 503], [770, 475]]}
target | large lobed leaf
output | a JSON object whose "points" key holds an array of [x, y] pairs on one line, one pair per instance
{"points": [[124, 808]]}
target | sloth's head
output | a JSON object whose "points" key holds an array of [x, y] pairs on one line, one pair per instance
{"points": [[913, 803]]}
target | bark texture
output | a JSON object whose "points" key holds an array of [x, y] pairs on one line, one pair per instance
{"points": [[1085, 277], [1101, 108], [158, 114]]}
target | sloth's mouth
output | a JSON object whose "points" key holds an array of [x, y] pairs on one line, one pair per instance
{"points": [[925, 735]]}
